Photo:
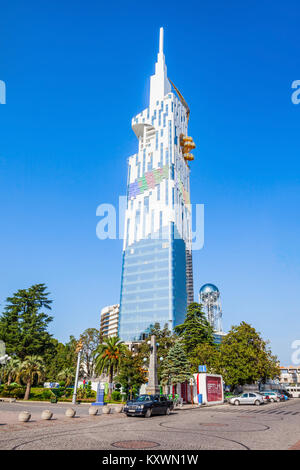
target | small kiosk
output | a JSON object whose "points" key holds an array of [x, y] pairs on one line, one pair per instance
{"points": [[208, 389]]}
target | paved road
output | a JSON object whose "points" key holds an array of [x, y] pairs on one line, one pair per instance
{"points": [[271, 426]]}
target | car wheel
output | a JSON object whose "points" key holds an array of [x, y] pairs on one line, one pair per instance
{"points": [[257, 402], [148, 413], [168, 411], [236, 403]]}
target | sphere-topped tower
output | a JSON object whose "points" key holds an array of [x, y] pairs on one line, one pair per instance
{"points": [[209, 297]]}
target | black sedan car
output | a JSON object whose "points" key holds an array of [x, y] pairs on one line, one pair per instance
{"points": [[148, 405]]}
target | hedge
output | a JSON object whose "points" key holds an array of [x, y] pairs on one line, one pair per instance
{"points": [[42, 394]]}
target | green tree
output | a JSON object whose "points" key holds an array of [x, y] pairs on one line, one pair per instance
{"points": [[90, 340], [60, 356], [11, 369], [23, 326], [30, 369], [205, 354], [245, 357], [67, 375], [108, 357], [176, 367], [131, 373], [195, 329]]}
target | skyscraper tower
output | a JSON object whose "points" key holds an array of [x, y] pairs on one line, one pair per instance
{"points": [[157, 277]]}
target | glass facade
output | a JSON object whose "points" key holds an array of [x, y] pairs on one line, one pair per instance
{"points": [[153, 284]]}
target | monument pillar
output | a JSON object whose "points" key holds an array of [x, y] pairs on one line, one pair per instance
{"points": [[152, 387]]}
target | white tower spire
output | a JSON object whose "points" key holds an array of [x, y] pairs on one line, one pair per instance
{"points": [[161, 40], [159, 83]]}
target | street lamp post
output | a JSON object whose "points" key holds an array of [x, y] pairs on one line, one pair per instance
{"points": [[79, 351]]}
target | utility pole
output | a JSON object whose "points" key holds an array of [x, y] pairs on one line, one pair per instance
{"points": [[79, 351]]}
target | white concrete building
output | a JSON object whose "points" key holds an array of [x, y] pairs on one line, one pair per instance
{"points": [[109, 321], [289, 375]]}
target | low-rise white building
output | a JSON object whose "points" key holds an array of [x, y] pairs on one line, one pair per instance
{"points": [[289, 375]]}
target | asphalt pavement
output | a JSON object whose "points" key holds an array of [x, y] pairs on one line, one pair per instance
{"points": [[269, 426]]}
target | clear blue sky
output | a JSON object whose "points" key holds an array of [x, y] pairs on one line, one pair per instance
{"points": [[76, 72]]}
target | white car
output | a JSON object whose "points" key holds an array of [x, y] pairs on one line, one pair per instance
{"points": [[247, 398]]}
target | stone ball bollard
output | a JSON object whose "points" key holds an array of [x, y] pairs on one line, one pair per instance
{"points": [[70, 413], [24, 416], [47, 414], [118, 408], [93, 410], [106, 410]]}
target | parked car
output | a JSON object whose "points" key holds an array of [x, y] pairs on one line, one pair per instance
{"points": [[286, 393], [148, 405], [266, 398], [273, 395], [248, 398]]}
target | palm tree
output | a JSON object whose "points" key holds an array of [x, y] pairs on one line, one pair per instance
{"points": [[109, 355], [11, 369], [30, 368], [67, 375]]}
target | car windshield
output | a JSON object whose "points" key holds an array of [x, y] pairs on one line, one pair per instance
{"points": [[143, 398]]}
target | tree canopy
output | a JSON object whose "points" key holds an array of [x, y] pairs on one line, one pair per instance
{"points": [[131, 373], [90, 339], [245, 358], [205, 354], [109, 356], [23, 324], [195, 329], [176, 367]]}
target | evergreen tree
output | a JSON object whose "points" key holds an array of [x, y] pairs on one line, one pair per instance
{"points": [[195, 329], [23, 326], [176, 367]]}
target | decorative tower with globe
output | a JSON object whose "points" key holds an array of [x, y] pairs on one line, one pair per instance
{"points": [[209, 297]]}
